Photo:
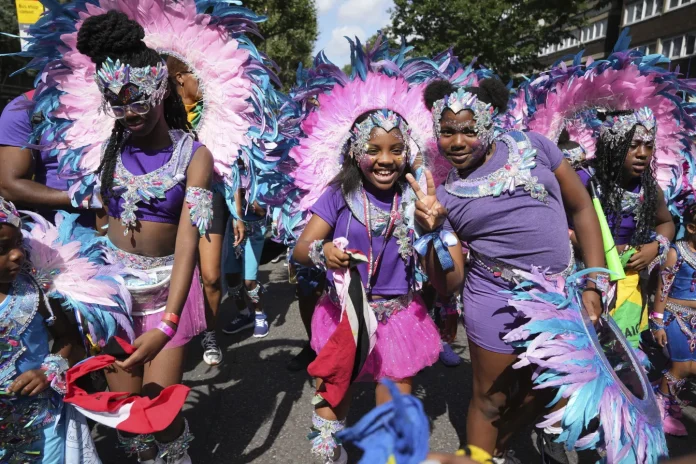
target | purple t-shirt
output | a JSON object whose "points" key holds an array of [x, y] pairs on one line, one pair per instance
{"points": [[517, 229], [15, 131], [392, 275], [625, 231], [139, 162]]}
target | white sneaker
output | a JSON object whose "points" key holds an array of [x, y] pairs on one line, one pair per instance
{"points": [[185, 459], [341, 459], [507, 458], [212, 355]]}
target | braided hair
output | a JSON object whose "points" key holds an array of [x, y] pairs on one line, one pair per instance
{"points": [[609, 174], [113, 35]]}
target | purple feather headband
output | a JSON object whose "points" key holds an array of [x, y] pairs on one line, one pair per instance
{"points": [[9, 214]]}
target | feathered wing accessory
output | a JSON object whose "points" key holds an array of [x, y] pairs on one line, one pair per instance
{"points": [[570, 96], [325, 104], [610, 403], [238, 112], [71, 264]]}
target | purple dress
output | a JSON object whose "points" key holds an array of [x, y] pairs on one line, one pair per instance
{"points": [[515, 229], [407, 339], [15, 131]]}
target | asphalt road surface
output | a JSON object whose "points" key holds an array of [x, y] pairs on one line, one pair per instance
{"points": [[250, 409]]}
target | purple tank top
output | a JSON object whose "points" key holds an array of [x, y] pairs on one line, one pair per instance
{"points": [[138, 162], [392, 276]]}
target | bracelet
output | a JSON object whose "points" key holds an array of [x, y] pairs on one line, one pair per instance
{"points": [[655, 325], [55, 367], [657, 315], [168, 331], [442, 240], [663, 249], [601, 282], [171, 317], [316, 254]]}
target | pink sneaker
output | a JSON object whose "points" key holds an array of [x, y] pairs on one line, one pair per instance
{"points": [[671, 424]]}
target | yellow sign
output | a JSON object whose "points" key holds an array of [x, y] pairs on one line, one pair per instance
{"points": [[28, 11]]}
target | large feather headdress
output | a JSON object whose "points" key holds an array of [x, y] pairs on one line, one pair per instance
{"points": [[326, 102], [239, 101], [570, 96]]}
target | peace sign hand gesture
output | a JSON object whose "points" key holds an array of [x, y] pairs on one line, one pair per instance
{"points": [[430, 214]]}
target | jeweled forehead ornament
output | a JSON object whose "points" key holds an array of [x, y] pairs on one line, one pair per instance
{"points": [[388, 120], [9, 214], [462, 100], [615, 128], [120, 81]]}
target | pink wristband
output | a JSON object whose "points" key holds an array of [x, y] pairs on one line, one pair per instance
{"points": [[168, 331], [657, 315]]}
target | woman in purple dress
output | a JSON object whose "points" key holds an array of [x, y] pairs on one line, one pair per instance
{"points": [[507, 197], [155, 185]]}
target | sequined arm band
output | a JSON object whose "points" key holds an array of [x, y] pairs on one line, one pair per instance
{"points": [[316, 254], [55, 367], [667, 275], [663, 249], [200, 203]]}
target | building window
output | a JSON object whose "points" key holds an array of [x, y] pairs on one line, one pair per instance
{"points": [[648, 49], [594, 31], [677, 3], [680, 46], [642, 9]]}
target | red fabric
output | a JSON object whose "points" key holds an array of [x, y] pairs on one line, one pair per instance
{"points": [[30, 94], [334, 364], [146, 415]]}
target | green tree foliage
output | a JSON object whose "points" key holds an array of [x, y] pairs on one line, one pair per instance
{"points": [[505, 35], [288, 34], [10, 86]]}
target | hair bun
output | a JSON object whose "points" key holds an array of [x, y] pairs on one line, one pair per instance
{"points": [[110, 35], [495, 92], [437, 90]]}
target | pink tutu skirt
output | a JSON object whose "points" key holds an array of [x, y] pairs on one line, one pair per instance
{"points": [[407, 341], [150, 289]]}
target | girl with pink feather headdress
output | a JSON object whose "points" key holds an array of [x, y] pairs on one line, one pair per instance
{"points": [[360, 140], [35, 422]]}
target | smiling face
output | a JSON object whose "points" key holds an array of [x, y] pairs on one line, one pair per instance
{"points": [[640, 153], [384, 158], [459, 142], [11, 252]]}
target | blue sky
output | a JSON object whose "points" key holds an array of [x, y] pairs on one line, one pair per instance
{"points": [[338, 18]]}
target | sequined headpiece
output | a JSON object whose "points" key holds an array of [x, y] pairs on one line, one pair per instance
{"points": [[575, 156], [9, 214], [116, 79], [615, 128], [386, 119], [462, 100]]}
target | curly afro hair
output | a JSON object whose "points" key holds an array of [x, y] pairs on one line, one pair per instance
{"points": [[490, 90]]}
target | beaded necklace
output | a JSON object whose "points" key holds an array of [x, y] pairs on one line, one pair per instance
{"points": [[373, 263]]}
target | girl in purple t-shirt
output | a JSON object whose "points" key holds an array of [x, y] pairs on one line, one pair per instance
{"points": [[367, 204], [507, 197]]}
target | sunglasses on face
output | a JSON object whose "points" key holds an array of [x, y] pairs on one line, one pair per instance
{"points": [[119, 112]]}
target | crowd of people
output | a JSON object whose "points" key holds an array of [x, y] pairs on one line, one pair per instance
{"points": [[142, 177]]}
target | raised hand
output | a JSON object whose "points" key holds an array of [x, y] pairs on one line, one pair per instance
{"points": [[430, 214]]}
